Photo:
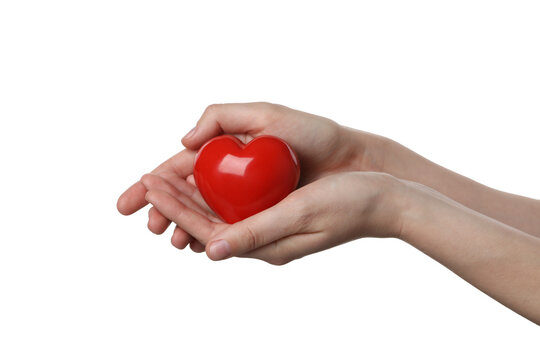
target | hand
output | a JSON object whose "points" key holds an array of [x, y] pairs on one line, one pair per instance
{"points": [[174, 171], [325, 213], [322, 145], [323, 148]]}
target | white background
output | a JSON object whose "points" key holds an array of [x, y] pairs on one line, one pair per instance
{"points": [[93, 94]]}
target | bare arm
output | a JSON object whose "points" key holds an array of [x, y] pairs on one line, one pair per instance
{"points": [[384, 155], [324, 148], [460, 223], [500, 260]]}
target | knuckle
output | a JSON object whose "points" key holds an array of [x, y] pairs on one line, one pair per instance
{"points": [[271, 107], [279, 260], [146, 177], [279, 256], [264, 105], [210, 111], [252, 240], [214, 232], [149, 180], [267, 112], [177, 215], [303, 212]]}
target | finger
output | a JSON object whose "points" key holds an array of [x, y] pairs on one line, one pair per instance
{"points": [[187, 219], [230, 119], [290, 248], [158, 182], [157, 223], [281, 220], [196, 246], [180, 239], [191, 179], [181, 163], [187, 188], [133, 200]]}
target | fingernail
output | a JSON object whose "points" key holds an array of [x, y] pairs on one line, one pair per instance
{"points": [[219, 250], [191, 133]]}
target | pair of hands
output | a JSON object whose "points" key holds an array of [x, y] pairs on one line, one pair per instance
{"points": [[341, 195]]}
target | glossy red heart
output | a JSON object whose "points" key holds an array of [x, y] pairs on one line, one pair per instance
{"points": [[238, 180]]}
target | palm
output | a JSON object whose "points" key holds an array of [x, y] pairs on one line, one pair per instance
{"points": [[170, 176], [315, 217], [317, 141]]}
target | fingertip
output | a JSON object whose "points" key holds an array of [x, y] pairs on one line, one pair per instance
{"points": [[188, 144], [132, 199], [120, 205], [150, 225], [190, 139], [193, 144], [180, 239], [124, 205], [196, 246], [157, 223], [218, 250]]}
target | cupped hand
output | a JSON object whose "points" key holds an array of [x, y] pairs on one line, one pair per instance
{"points": [[322, 145], [325, 213], [323, 148], [175, 171]]}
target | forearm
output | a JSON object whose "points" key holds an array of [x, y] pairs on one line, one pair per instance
{"points": [[501, 261], [517, 211]]}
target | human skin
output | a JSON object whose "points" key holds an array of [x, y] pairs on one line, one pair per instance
{"points": [[517, 211], [323, 148], [354, 184], [500, 260]]}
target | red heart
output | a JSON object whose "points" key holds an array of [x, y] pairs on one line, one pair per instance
{"points": [[238, 180]]}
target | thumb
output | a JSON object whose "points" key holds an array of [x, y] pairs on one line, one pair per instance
{"points": [[272, 224], [229, 119]]}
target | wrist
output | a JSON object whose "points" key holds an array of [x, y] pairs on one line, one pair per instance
{"points": [[368, 151], [386, 207], [380, 154], [422, 207]]}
